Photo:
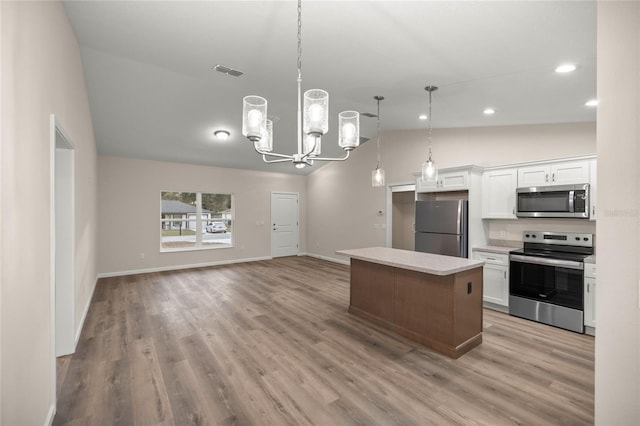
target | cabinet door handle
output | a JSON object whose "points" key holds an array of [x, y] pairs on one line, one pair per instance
{"points": [[587, 288], [546, 177], [593, 210], [505, 275], [553, 177]]}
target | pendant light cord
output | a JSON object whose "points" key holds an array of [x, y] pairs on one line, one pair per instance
{"points": [[430, 124], [299, 65], [378, 134], [430, 89]]}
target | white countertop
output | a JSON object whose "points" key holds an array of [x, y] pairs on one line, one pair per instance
{"points": [[427, 263]]}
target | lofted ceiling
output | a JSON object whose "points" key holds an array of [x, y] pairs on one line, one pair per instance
{"points": [[154, 95]]}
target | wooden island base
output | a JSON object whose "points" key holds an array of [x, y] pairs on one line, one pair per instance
{"points": [[441, 312]]}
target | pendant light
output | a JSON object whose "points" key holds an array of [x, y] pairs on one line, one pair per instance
{"points": [[312, 121], [377, 175], [429, 168]]}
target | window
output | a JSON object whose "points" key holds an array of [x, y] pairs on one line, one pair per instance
{"points": [[195, 220]]}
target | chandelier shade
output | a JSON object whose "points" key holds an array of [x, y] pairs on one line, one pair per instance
{"points": [[266, 140], [254, 117], [316, 112], [349, 130], [312, 145]]}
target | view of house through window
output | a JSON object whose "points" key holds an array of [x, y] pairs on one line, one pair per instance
{"points": [[191, 220]]}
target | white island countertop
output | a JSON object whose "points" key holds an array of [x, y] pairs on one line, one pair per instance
{"points": [[427, 263]]}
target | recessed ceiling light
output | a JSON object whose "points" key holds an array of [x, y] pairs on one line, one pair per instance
{"points": [[422, 116], [592, 103], [566, 68], [489, 111], [222, 135]]}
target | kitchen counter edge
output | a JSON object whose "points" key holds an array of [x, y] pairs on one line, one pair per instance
{"points": [[434, 264]]}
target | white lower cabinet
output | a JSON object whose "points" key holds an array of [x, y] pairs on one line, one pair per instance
{"points": [[495, 277], [590, 295]]}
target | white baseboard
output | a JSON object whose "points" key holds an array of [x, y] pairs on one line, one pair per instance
{"points": [[50, 415], [178, 267], [330, 259]]}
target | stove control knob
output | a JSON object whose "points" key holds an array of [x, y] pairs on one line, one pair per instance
{"points": [[533, 236], [526, 235], [577, 238], [586, 238]]}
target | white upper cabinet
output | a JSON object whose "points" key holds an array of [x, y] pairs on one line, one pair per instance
{"points": [[562, 173], [447, 181], [499, 193]]}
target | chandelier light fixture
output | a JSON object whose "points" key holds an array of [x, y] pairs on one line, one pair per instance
{"points": [[377, 175], [429, 168], [313, 122]]}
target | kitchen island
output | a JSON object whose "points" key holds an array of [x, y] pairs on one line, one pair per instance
{"points": [[431, 299]]}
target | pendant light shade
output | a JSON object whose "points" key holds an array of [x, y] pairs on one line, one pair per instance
{"points": [[377, 175], [429, 168]]}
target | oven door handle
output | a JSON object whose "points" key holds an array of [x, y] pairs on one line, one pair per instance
{"points": [[551, 262]]}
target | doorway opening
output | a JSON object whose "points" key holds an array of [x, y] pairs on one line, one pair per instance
{"points": [[63, 241], [401, 229]]}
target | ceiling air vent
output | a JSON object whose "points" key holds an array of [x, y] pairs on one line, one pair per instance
{"points": [[228, 71]]}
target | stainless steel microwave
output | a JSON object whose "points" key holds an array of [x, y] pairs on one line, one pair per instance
{"points": [[553, 201]]}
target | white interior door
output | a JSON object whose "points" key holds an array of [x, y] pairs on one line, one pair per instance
{"points": [[284, 224]]}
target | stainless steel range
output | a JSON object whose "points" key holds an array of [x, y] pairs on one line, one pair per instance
{"points": [[546, 278]]}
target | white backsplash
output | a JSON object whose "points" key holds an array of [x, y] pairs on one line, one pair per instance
{"points": [[511, 230]]}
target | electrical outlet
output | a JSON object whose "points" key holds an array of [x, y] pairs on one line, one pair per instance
{"points": [[141, 256]]}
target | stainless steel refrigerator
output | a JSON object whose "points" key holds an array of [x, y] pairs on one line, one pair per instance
{"points": [[441, 227]]}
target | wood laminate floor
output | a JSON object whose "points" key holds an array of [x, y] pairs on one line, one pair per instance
{"points": [[271, 343]]}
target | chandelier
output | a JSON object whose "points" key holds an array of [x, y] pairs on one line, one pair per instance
{"points": [[312, 120], [429, 169], [377, 175]]}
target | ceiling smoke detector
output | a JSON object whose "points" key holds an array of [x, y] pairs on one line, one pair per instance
{"points": [[228, 71]]}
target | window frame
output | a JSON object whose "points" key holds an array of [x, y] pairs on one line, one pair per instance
{"points": [[200, 224]]}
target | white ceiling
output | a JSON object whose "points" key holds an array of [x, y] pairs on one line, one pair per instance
{"points": [[154, 95]]}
